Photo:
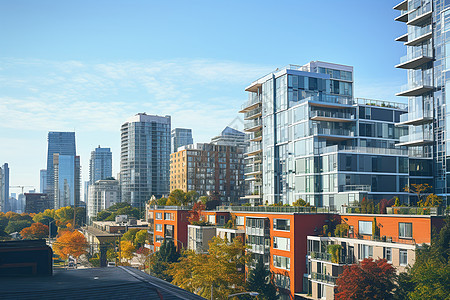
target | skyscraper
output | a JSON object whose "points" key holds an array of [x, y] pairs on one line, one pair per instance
{"points": [[100, 164], [67, 178], [181, 137], [145, 158], [62, 143], [43, 180], [4, 188], [230, 137]]}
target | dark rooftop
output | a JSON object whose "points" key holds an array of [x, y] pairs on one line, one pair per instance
{"points": [[98, 283]]}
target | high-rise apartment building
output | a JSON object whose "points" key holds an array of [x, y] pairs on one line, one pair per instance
{"points": [[427, 60], [145, 158], [181, 137], [230, 137], [62, 143], [102, 194], [311, 139], [67, 177], [43, 180], [4, 188], [100, 164], [211, 170]]}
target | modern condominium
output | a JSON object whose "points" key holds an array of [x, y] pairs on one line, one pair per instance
{"points": [[62, 143], [230, 137], [43, 180], [427, 60], [102, 194], [4, 188], [181, 137], [311, 139], [100, 164], [145, 158], [67, 178]]}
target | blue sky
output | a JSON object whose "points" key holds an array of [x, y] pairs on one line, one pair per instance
{"points": [[89, 65]]}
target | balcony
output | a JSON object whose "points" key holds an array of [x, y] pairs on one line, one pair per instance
{"points": [[253, 102], [320, 115], [253, 125], [255, 136], [403, 5], [403, 17], [402, 38], [323, 278], [415, 59], [323, 100], [416, 139], [415, 118], [355, 188], [416, 88], [343, 259], [420, 15], [254, 113], [253, 170], [381, 103], [420, 35], [253, 149], [332, 133]]}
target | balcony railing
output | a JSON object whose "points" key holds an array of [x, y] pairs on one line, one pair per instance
{"points": [[368, 150], [414, 14], [417, 136], [420, 116], [418, 32], [381, 103], [253, 148], [331, 131], [430, 211], [253, 169], [343, 259], [323, 277], [252, 113], [333, 115], [281, 209], [332, 99], [253, 98], [252, 124], [355, 188]]}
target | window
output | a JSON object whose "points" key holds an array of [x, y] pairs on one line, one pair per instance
{"points": [[281, 224], [158, 227], [282, 262], [387, 254], [365, 227], [281, 243], [168, 216], [403, 257], [212, 219], [405, 230], [365, 251], [282, 281], [158, 216], [240, 221], [159, 239]]}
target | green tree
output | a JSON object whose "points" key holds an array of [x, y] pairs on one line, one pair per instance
{"points": [[191, 197], [260, 280], [130, 235], [300, 202], [162, 201], [161, 260], [103, 215], [140, 237], [17, 226], [177, 197]]}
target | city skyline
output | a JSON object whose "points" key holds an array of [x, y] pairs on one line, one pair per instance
{"points": [[62, 80]]}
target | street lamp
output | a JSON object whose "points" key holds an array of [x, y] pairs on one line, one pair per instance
{"points": [[244, 293]]}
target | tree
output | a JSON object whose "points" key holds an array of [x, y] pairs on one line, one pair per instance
{"points": [[204, 199], [71, 243], [221, 269], [130, 235], [260, 280], [429, 277], [162, 201], [419, 189], [103, 215], [432, 200], [177, 197], [191, 197], [140, 237], [35, 231], [368, 279], [300, 202], [166, 255], [127, 249], [196, 214], [17, 226]]}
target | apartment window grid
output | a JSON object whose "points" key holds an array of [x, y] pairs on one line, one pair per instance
{"points": [[282, 262]]}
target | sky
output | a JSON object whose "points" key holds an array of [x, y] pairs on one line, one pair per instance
{"points": [[87, 66]]}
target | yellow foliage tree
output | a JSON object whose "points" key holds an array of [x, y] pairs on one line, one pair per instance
{"points": [[70, 243], [127, 249]]}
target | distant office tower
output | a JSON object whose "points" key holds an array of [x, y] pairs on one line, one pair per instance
{"points": [[85, 191], [62, 143], [37, 202], [102, 194], [181, 137], [100, 164], [4, 188], [230, 137], [43, 180], [145, 158], [66, 170], [211, 170]]}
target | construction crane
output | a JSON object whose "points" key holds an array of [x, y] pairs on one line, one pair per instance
{"points": [[20, 186]]}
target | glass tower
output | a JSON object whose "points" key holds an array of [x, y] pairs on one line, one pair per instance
{"points": [[145, 158], [4, 188], [100, 164], [67, 180], [181, 137]]}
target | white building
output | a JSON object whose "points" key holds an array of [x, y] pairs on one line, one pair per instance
{"points": [[101, 195]]}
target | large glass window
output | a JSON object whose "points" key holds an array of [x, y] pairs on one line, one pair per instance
{"points": [[365, 227], [282, 224], [281, 243], [158, 227], [239, 221], [403, 257], [282, 262], [365, 251], [158, 216], [387, 254], [405, 230]]}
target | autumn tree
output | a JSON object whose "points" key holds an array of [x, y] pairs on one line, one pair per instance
{"points": [[260, 280], [71, 243], [140, 237], [368, 279], [127, 249], [222, 269], [433, 200], [300, 202], [161, 260], [196, 214], [419, 189], [35, 231]]}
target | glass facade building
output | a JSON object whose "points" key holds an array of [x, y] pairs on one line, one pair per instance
{"points": [[311, 139], [67, 180], [100, 164], [62, 143], [4, 189], [181, 137], [145, 158], [427, 61]]}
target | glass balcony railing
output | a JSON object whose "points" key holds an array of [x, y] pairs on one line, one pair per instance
{"points": [[417, 84], [416, 54], [418, 32], [328, 257], [252, 124], [253, 98], [253, 169], [417, 136], [254, 135], [253, 148], [329, 114], [253, 112], [331, 131], [381, 103], [323, 277], [332, 99], [355, 188], [417, 13], [416, 116], [369, 150]]}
